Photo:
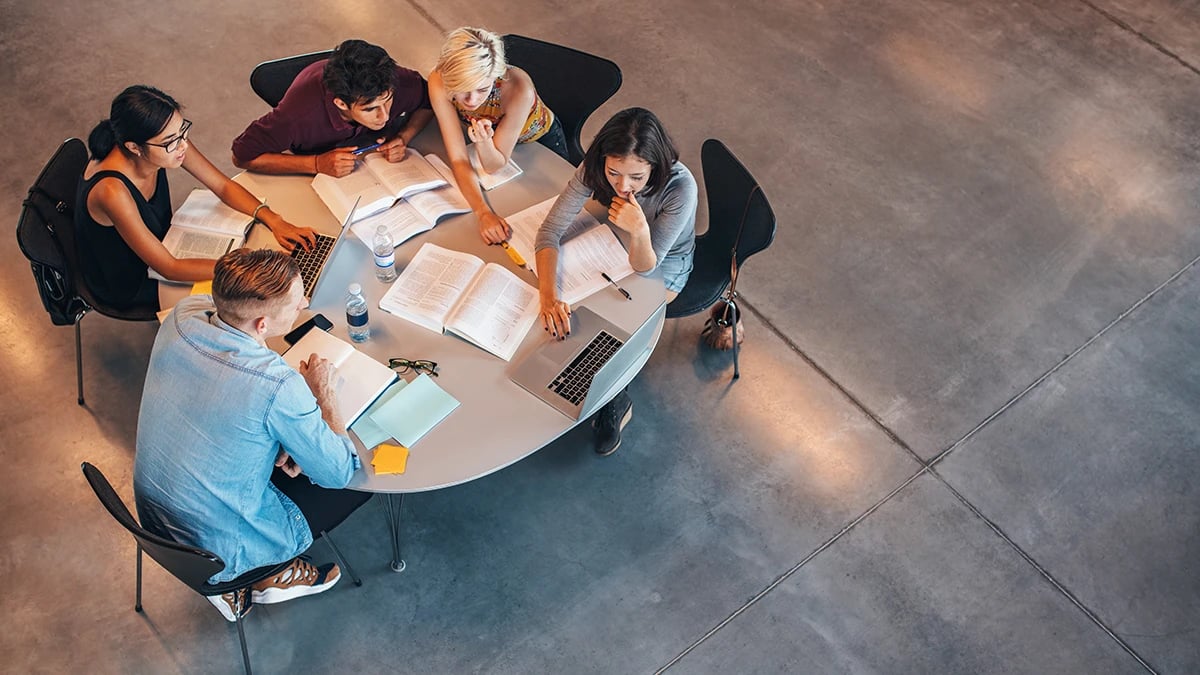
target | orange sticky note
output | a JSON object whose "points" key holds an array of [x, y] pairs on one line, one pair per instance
{"points": [[202, 288], [390, 458]]}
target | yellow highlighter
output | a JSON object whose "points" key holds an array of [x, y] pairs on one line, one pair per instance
{"points": [[512, 253]]}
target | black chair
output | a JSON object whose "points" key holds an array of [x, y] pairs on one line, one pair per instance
{"points": [[741, 222], [193, 566], [46, 235], [271, 79], [573, 83]]}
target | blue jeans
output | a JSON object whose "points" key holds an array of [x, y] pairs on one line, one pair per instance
{"points": [[676, 270]]}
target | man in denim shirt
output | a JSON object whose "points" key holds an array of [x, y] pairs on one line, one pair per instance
{"points": [[220, 412]]}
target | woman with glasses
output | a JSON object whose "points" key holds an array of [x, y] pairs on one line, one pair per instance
{"points": [[123, 205]]}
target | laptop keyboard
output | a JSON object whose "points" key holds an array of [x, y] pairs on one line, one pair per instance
{"points": [[575, 380], [312, 261]]}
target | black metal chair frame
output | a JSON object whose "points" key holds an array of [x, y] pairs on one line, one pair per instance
{"points": [[191, 565], [268, 78], [708, 284], [571, 82]]}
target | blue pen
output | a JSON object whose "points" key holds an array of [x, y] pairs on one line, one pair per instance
{"points": [[366, 149]]}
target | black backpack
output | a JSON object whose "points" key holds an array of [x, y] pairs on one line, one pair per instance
{"points": [[46, 232]]}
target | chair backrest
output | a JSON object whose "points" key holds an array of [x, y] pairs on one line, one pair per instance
{"points": [[271, 79], [738, 213], [736, 203], [193, 566], [46, 233], [573, 83]]}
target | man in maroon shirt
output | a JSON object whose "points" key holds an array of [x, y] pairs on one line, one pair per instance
{"points": [[356, 98]]}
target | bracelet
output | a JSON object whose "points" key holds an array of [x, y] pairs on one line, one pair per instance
{"points": [[258, 208]]}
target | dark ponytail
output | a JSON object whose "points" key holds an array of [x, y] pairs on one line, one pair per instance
{"points": [[137, 114]]}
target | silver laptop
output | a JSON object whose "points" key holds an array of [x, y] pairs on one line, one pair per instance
{"points": [[572, 374], [312, 262]]}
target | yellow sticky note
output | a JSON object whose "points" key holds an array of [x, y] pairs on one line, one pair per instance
{"points": [[202, 288], [390, 458]]}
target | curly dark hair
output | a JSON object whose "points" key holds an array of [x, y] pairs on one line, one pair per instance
{"points": [[359, 71]]}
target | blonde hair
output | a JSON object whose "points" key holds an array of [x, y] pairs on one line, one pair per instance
{"points": [[471, 56]]}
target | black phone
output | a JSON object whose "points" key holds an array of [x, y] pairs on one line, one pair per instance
{"points": [[298, 332]]}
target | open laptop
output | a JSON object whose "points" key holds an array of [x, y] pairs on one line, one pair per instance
{"points": [[572, 374], [312, 262]]}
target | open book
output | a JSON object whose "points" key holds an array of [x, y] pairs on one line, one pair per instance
{"points": [[204, 227], [417, 213], [445, 290], [378, 182], [587, 249], [487, 181], [360, 379]]}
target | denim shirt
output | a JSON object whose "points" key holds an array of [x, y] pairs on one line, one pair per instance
{"points": [[216, 408]]}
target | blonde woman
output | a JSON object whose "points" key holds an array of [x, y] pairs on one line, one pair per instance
{"points": [[472, 86]]}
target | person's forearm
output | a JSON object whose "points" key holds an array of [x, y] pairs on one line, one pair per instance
{"points": [[468, 184], [641, 251], [547, 273], [491, 159], [280, 163], [327, 401], [188, 269]]}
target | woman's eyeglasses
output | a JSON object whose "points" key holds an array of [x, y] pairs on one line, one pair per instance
{"points": [[402, 366], [173, 144]]}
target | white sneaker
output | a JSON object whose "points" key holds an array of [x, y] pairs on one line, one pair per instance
{"points": [[297, 580]]}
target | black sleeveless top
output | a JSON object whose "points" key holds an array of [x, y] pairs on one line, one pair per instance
{"points": [[113, 272]]}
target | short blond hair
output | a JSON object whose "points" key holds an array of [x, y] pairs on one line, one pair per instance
{"points": [[471, 56]]}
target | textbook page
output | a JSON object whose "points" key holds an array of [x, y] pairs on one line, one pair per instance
{"points": [[487, 181], [360, 379], [496, 311], [339, 194], [204, 210], [587, 249], [402, 221], [406, 177], [430, 285]]}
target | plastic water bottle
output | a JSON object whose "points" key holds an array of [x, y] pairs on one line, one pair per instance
{"points": [[385, 255], [356, 315]]}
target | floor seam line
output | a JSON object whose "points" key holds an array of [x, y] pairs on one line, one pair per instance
{"points": [[1142, 36], [854, 401], [795, 568], [1045, 574], [427, 16], [1056, 367]]}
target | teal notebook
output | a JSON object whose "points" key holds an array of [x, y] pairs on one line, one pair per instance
{"points": [[405, 412]]}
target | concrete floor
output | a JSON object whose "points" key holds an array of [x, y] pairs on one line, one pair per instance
{"points": [[965, 439]]}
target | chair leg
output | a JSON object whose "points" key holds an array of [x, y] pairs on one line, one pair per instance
{"points": [[242, 639], [137, 605], [341, 560], [79, 364], [737, 316]]}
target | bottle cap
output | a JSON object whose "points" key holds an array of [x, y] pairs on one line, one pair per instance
{"points": [[355, 289], [382, 229]]}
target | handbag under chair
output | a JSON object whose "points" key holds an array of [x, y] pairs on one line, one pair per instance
{"points": [[740, 224]]}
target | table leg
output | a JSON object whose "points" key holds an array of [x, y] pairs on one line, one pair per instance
{"points": [[394, 504]]}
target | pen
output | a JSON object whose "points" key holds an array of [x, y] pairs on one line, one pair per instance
{"points": [[366, 149], [616, 285]]}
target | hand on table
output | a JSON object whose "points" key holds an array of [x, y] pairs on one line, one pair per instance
{"points": [[556, 317], [289, 236], [337, 162], [493, 228], [394, 150], [319, 374]]}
